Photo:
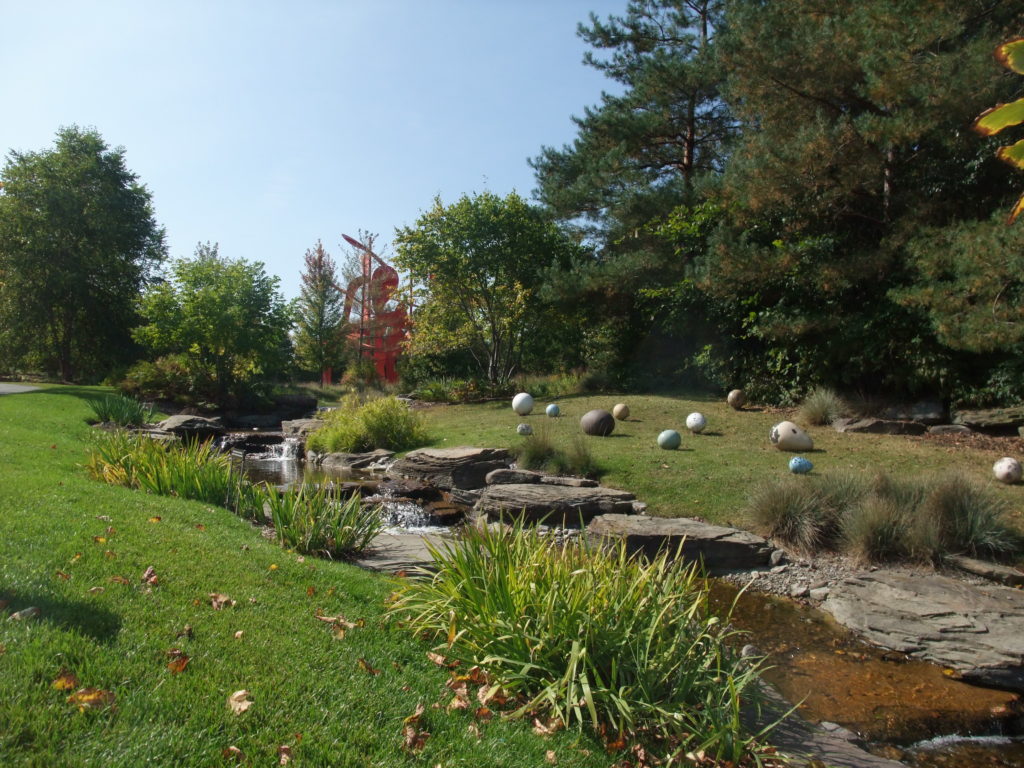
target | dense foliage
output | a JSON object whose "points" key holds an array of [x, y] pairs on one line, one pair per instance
{"points": [[320, 322], [353, 427], [78, 241], [226, 321]]}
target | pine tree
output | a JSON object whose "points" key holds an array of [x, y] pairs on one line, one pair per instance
{"points": [[319, 314]]}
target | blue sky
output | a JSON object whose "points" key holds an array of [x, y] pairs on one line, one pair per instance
{"points": [[267, 125]]}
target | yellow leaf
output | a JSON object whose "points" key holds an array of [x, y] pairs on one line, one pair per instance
{"points": [[65, 681], [239, 701], [99, 539], [77, 557], [62, 575], [155, 519], [367, 667], [91, 698], [273, 567]]}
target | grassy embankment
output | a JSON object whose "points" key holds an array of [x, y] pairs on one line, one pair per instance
{"points": [[713, 473], [77, 550]]}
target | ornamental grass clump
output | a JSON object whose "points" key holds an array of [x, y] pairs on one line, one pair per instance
{"points": [[538, 451], [383, 423], [319, 520], [822, 406], [588, 636], [121, 410]]}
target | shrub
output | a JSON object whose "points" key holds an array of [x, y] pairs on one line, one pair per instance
{"points": [[537, 451], [121, 410], [790, 511], [822, 406], [965, 516], [383, 423], [318, 520], [166, 378], [589, 636]]}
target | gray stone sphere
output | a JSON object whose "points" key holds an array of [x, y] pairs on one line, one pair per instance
{"points": [[670, 440], [553, 410], [524, 429], [696, 422], [620, 411], [522, 403], [736, 399], [598, 423]]}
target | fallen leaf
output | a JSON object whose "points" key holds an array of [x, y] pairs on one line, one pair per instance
{"points": [[91, 698], [25, 613], [62, 575], [218, 601], [119, 580], [104, 518], [53, 447], [96, 590], [548, 728], [338, 631], [402, 573], [109, 555], [284, 754], [310, 591], [273, 567], [415, 716], [186, 631], [367, 668], [300, 559], [239, 701], [458, 702], [441, 661], [200, 527], [474, 729], [491, 695], [483, 713], [99, 539], [76, 558], [331, 591], [414, 740], [65, 681], [233, 753], [619, 743], [155, 519], [551, 757], [177, 664], [111, 530], [150, 577], [238, 634]]}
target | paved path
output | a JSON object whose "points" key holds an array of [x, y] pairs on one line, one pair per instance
{"points": [[13, 389]]}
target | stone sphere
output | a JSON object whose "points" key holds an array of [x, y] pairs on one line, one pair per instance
{"points": [[524, 429], [1007, 470], [620, 411], [553, 410], [798, 465], [787, 436], [522, 403], [669, 440], [736, 399], [598, 423], [696, 422]]}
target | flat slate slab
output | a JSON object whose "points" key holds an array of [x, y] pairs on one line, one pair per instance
{"points": [[1008, 419], [551, 504], [448, 468], [879, 426], [719, 548], [978, 631], [393, 552]]}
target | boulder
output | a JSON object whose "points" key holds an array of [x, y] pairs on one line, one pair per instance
{"points": [[192, 427], [572, 482], [720, 549], [345, 461], [508, 476], [876, 426], [787, 436], [597, 423], [1003, 574], [924, 411], [552, 504], [992, 420], [949, 429], [448, 468], [301, 427], [976, 630]]}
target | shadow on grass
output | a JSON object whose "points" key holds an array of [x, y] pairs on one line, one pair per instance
{"points": [[84, 618]]}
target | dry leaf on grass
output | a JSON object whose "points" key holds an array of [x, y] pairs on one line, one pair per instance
{"points": [[493, 694], [76, 558], [65, 681], [119, 580], [284, 754], [155, 519], [233, 753], [367, 667], [109, 555], [62, 575], [483, 713], [474, 729], [219, 601], [178, 661], [26, 613], [200, 527], [149, 576], [414, 739], [239, 634], [96, 590], [546, 729], [551, 757], [239, 701], [99, 539], [310, 591], [91, 698]]}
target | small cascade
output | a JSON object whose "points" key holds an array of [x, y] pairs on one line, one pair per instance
{"points": [[288, 449]]}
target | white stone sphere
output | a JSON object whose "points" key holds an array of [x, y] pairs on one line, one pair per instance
{"points": [[696, 422], [1007, 470], [522, 403], [553, 410], [787, 436], [669, 440], [524, 429], [620, 411]]}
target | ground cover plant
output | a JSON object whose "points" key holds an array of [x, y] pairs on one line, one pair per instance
{"points": [[165, 607], [121, 410], [576, 634], [712, 474], [354, 426]]}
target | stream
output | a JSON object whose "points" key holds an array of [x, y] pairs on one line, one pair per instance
{"points": [[907, 710]]}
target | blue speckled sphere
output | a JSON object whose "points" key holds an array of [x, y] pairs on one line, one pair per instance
{"points": [[798, 465], [553, 410], [669, 440]]}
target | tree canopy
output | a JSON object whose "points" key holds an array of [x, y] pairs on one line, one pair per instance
{"points": [[320, 322], [78, 241], [481, 262]]}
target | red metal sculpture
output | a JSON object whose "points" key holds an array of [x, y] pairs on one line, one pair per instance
{"points": [[379, 331]]}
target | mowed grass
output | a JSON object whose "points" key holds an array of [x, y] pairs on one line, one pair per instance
{"points": [[713, 473], [310, 691]]}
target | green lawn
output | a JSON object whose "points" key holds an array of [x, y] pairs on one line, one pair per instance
{"points": [[712, 473], [60, 553]]}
